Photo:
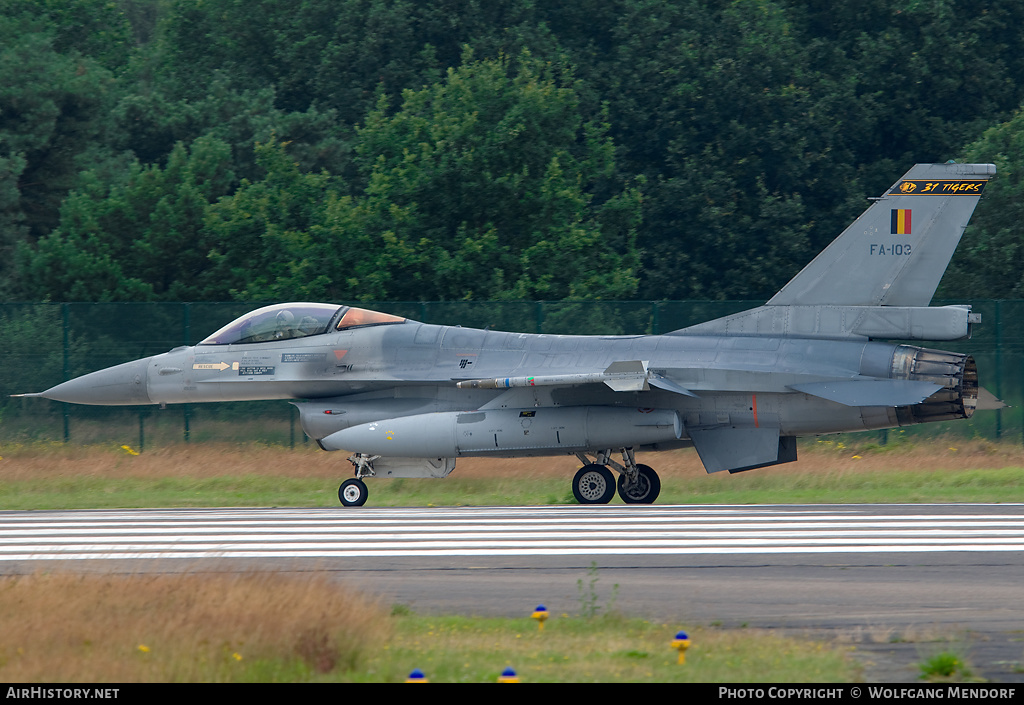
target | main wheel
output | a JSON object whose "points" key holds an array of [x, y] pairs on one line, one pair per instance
{"points": [[593, 484], [646, 489], [352, 492]]}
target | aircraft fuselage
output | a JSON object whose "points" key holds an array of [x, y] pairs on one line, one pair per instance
{"points": [[383, 372]]}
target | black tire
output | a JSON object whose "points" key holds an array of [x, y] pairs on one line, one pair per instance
{"points": [[593, 484], [645, 491], [352, 493]]}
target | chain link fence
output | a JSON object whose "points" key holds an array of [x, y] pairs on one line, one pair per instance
{"points": [[43, 344]]}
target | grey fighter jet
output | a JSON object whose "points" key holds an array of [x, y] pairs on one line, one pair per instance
{"points": [[408, 399]]}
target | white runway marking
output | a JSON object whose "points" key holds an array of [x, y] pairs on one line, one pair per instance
{"points": [[514, 531]]}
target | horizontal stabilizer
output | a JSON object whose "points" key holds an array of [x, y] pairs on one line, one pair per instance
{"points": [[871, 392], [987, 401]]}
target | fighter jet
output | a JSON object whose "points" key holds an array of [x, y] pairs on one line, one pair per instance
{"points": [[407, 399]]}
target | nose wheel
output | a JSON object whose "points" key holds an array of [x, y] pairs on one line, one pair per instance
{"points": [[352, 492]]}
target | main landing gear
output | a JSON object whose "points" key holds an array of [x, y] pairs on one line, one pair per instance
{"points": [[594, 483]]}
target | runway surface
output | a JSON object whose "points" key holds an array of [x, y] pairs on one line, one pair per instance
{"points": [[888, 578], [496, 532]]}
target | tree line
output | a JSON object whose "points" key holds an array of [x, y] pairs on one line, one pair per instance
{"points": [[368, 150]]}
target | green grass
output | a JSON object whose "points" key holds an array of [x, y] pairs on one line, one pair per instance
{"points": [[129, 492], [273, 627], [991, 485], [61, 476], [945, 666], [604, 649]]}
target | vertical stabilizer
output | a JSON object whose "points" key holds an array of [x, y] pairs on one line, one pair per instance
{"points": [[896, 252]]}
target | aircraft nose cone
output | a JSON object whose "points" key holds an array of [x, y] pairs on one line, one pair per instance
{"points": [[119, 385]]}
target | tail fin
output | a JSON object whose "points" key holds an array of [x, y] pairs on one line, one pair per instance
{"points": [[877, 278], [896, 252]]}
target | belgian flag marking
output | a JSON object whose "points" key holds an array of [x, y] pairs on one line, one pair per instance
{"points": [[900, 221]]}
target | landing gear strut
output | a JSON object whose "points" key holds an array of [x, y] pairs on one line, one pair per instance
{"points": [[637, 484]]}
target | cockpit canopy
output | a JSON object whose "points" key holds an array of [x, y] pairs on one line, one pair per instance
{"points": [[295, 320]]}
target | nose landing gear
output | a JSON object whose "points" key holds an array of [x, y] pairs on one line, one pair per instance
{"points": [[352, 492]]}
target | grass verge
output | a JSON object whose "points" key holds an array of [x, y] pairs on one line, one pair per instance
{"points": [[605, 649], [57, 476], [253, 627], [266, 627]]}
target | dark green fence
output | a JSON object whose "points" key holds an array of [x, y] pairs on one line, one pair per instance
{"points": [[43, 344]]}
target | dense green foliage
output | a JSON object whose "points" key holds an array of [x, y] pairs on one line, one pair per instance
{"points": [[990, 260], [459, 149]]}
